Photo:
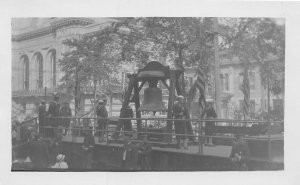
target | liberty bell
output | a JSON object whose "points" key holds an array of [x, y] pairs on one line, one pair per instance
{"points": [[153, 98]]}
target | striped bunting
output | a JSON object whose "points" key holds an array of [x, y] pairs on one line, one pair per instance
{"points": [[200, 84], [246, 92], [78, 97]]}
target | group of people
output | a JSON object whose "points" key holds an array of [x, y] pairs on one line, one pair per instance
{"points": [[240, 150], [57, 116], [102, 120], [180, 124], [137, 154], [38, 154]]}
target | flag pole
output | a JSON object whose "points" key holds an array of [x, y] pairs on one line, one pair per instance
{"points": [[217, 69]]}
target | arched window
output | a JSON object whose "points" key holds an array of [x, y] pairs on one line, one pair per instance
{"points": [[25, 64], [50, 68], [53, 67], [39, 65]]}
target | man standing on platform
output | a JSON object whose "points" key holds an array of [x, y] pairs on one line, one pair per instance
{"points": [[210, 114], [42, 114], [102, 115], [180, 124], [144, 153], [127, 122], [88, 147], [39, 153], [53, 113], [65, 113]]}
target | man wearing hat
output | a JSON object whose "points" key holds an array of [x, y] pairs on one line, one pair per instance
{"points": [[144, 153], [65, 113], [42, 114], [209, 125], [102, 115], [180, 124], [127, 123], [39, 152], [53, 113], [88, 147]]}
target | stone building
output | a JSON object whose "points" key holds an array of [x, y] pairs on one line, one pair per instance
{"points": [[36, 48], [231, 95]]}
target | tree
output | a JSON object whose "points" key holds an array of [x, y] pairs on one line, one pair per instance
{"points": [[259, 40], [91, 60], [180, 42]]}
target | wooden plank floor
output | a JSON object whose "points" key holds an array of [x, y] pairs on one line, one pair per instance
{"points": [[217, 150]]}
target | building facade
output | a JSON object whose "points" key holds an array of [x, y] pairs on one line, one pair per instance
{"points": [[231, 78], [37, 45]]}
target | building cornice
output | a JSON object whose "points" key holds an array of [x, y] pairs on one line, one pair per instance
{"points": [[56, 24]]}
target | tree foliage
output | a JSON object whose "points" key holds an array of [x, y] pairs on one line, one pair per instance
{"points": [[257, 40], [92, 58], [181, 42]]}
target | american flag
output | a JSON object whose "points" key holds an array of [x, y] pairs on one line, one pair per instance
{"points": [[246, 91], [200, 84], [77, 97]]}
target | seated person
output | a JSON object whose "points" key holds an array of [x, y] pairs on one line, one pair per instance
{"points": [[240, 153], [60, 162]]}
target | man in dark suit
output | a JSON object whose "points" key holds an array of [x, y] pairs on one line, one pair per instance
{"points": [[180, 124], [209, 125], [53, 113], [65, 113], [102, 115], [127, 123], [144, 153], [42, 114], [88, 147], [39, 153]]}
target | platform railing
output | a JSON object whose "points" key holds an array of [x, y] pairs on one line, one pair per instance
{"points": [[79, 125]]}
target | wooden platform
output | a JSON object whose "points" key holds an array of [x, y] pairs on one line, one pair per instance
{"points": [[193, 149]]}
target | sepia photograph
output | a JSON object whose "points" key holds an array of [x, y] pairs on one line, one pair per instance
{"points": [[129, 94], [144, 92]]}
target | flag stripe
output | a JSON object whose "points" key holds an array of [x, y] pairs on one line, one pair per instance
{"points": [[246, 91], [200, 84]]}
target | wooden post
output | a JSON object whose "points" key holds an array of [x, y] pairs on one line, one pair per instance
{"points": [[125, 104], [95, 105], [168, 138], [217, 70], [137, 104], [45, 112], [181, 90]]}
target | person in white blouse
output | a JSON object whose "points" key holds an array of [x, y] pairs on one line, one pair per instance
{"points": [[60, 162]]}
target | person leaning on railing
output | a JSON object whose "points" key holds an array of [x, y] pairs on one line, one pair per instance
{"points": [[210, 114], [144, 153], [87, 147], [65, 113], [53, 114], [127, 123], [180, 125], [42, 114], [39, 152], [101, 113]]}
